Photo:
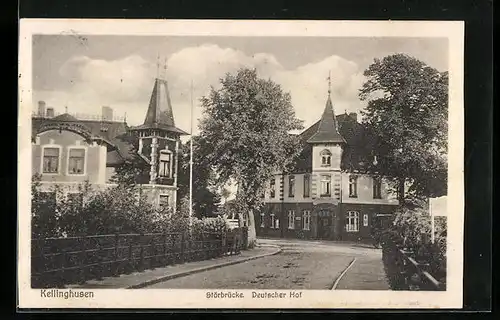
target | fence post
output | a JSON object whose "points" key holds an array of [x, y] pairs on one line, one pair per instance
{"points": [[182, 248], [130, 255], [116, 265], [83, 260], [141, 260], [204, 252], [164, 260]]}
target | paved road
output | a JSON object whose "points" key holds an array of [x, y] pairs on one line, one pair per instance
{"points": [[301, 265]]}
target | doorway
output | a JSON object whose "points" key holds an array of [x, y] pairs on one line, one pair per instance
{"points": [[324, 225]]}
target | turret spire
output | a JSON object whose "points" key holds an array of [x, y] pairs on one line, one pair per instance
{"points": [[329, 83], [328, 131]]}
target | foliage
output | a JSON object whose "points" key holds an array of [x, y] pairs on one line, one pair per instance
{"points": [[411, 229], [132, 171], [205, 199], [408, 109], [118, 209], [246, 123]]}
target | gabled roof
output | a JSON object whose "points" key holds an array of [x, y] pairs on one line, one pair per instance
{"points": [[114, 133], [327, 130], [160, 114]]}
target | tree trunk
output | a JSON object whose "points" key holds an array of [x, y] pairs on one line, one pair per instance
{"points": [[252, 234]]}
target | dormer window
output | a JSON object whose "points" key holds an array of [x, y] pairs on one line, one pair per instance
{"points": [[165, 170], [326, 158]]}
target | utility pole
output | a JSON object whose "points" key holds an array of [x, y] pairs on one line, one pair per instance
{"points": [[191, 163]]}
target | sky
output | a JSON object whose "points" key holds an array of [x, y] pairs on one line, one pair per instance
{"points": [[87, 72]]}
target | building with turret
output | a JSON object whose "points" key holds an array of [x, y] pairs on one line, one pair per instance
{"points": [[68, 149], [333, 191]]}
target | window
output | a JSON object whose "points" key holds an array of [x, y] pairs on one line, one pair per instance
{"points": [[307, 220], [352, 223], [377, 188], [353, 186], [165, 164], [291, 186], [75, 198], [272, 187], [291, 219], [326, 158], [274, 222], [326, 182], [76, 161], [307, 185], [50, 160], [365, 220], [164, 199], [262, 222]]}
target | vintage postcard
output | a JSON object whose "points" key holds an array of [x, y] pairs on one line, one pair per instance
{"points": [[240, 164]]}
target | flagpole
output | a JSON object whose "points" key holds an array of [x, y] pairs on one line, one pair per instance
{"points": [[191, 162], [432, 221]]}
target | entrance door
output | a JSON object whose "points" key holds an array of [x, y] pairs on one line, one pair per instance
{"points": [[324, 225]]}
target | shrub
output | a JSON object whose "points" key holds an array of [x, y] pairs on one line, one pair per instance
{"points": [[411, 229]]}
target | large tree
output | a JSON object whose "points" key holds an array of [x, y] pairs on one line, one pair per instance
{"points": [[205, 197], [408, 112], [246, 124]]}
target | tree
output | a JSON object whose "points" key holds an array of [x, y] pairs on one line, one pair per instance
{"points": [[246, 125], [407, 110], [133, 170], [205, 199]]}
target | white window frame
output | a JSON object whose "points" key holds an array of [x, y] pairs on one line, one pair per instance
{"points": [[377, 181], [291, 219], [85, 149], [169, 152], [365, 220], [324, 179], [262, 221], [326, 158], [306, 186], [272, 188], [306, 216], [52, 146], [291, 186], [352, 224], [353, 180]]}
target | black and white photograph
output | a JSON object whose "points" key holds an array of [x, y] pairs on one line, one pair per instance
{"points": [[240, 164]]}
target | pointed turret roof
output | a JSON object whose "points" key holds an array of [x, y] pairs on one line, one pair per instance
{"points": [[328, 131], [159, 114]]}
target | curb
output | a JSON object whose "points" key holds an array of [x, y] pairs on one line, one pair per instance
{"points": [[198, 270]]}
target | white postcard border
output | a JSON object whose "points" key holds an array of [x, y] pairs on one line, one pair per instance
{"points": [[181, 298]]}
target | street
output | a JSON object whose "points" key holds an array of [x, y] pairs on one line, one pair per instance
{"points": [[319, 265]]}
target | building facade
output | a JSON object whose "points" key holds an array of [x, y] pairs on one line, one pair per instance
{"points": [[68, 150], [334, 191]]}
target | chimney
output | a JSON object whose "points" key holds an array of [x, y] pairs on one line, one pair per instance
{"points": [[354, 116], [107, 114], [50, 113], [41, 108]]}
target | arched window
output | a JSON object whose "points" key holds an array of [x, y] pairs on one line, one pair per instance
{"points": [[326, 158]]}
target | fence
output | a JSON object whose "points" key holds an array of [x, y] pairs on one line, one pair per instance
{"points": [[405, 272], [56, 262]]}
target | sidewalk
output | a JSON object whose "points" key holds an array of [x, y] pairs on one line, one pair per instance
{"points": [[149, 277], [366, 273]]}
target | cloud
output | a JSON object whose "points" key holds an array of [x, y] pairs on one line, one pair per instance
{"points": [[126, 84]]}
